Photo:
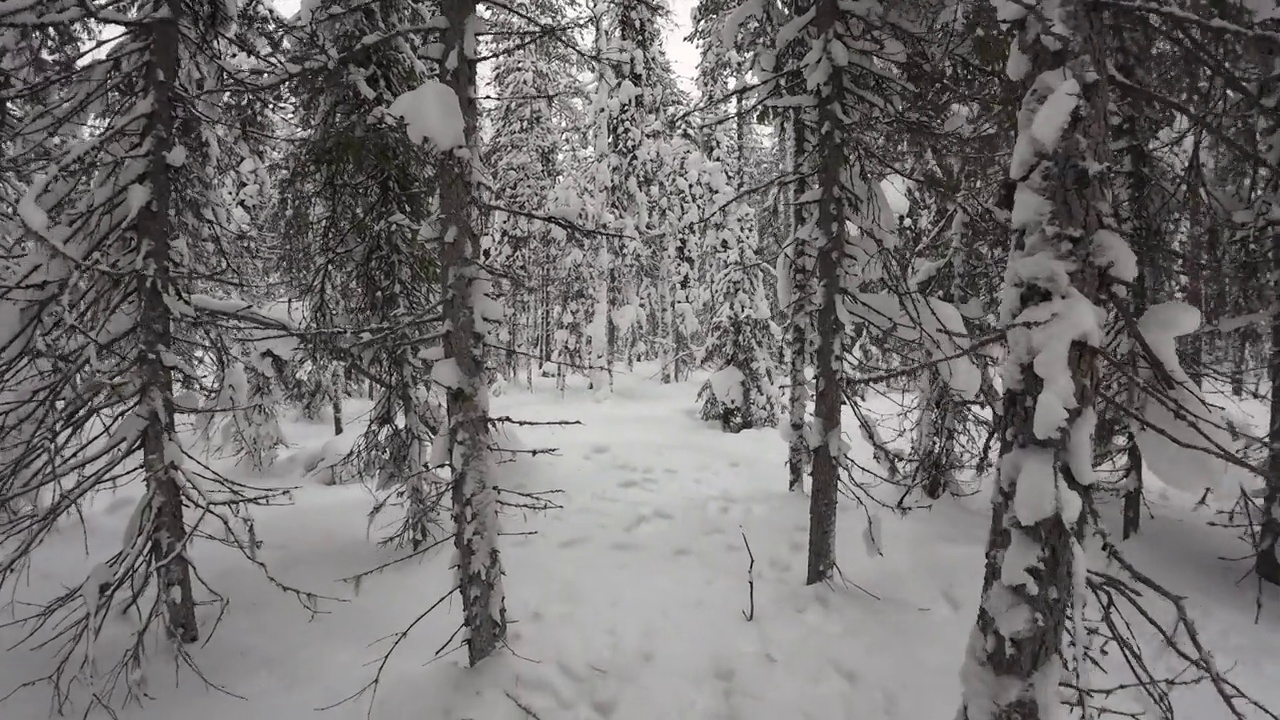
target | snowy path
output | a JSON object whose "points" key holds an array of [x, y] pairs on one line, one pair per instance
{"points": [[649, 554], [627, 603]]}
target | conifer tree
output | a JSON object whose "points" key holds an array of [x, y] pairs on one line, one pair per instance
{"points": [[361, 242], [109, 309], [1061, 213], [532, 107], [741, 337], [469, 309], [630, 94]]}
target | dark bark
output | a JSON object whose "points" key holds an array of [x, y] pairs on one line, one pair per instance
{"points": [[1134, 130], [829, 360], [1267, 563], [1240, 359], [1132, 513], [336, 408], [168, 530]]}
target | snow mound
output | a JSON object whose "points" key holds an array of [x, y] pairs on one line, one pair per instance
{"points": [[1181, 432]]}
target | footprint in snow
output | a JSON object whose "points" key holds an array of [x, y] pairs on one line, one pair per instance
{"points": [[604, 699], [546, 688], [575, 674], [846, 673], [599, 448], [644, 482]]}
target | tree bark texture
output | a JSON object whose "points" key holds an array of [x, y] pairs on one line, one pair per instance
{"points": [[155, 235], [475, 509]]}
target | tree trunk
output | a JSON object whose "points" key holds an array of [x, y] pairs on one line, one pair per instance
{"points": [[1267, 563], [335, 400], [1191, 346], [740, 120], [798, 453], [159, 439], [1240, 361], [832, 233], [475, 508], [1133, 134], [1036, 508]]}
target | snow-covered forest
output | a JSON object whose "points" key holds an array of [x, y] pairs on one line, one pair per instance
{"points": [[634, 359]]}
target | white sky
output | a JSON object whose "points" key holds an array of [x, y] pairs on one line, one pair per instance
{"points": [[684, 56]]}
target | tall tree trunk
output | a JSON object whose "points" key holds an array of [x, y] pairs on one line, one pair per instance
{"points": [[475, 505], [798, 321], [832, 234], [159, 438], [1036, 508], [1193, 254], [1133, 134], [1267, 563]]}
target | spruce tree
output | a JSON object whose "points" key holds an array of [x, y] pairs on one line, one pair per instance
{"points": [[469, 309], [1061, 213], [361, 242], [106, 316]]}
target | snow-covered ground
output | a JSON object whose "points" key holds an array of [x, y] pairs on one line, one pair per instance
{"points": [[627, 603]]}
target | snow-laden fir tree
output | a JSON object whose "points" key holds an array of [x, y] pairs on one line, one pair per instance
{"points": [[629, 96], [242, 419], [1063, 245], [570, 276], [103, 326], [741, 337], [678, 212], [29, 58], [725, 34], [360, 238], [954, 231], [738, 39], [534, 90], [1133, 129], [848, 224]]}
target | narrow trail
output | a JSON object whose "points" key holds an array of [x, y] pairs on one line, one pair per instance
{"points": [[649, 551]]}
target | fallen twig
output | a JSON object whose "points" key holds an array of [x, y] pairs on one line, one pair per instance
{"points": [[750, 614], [521, 705]]}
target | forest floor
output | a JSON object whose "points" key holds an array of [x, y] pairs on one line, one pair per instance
{"points": [[627, 603]]}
